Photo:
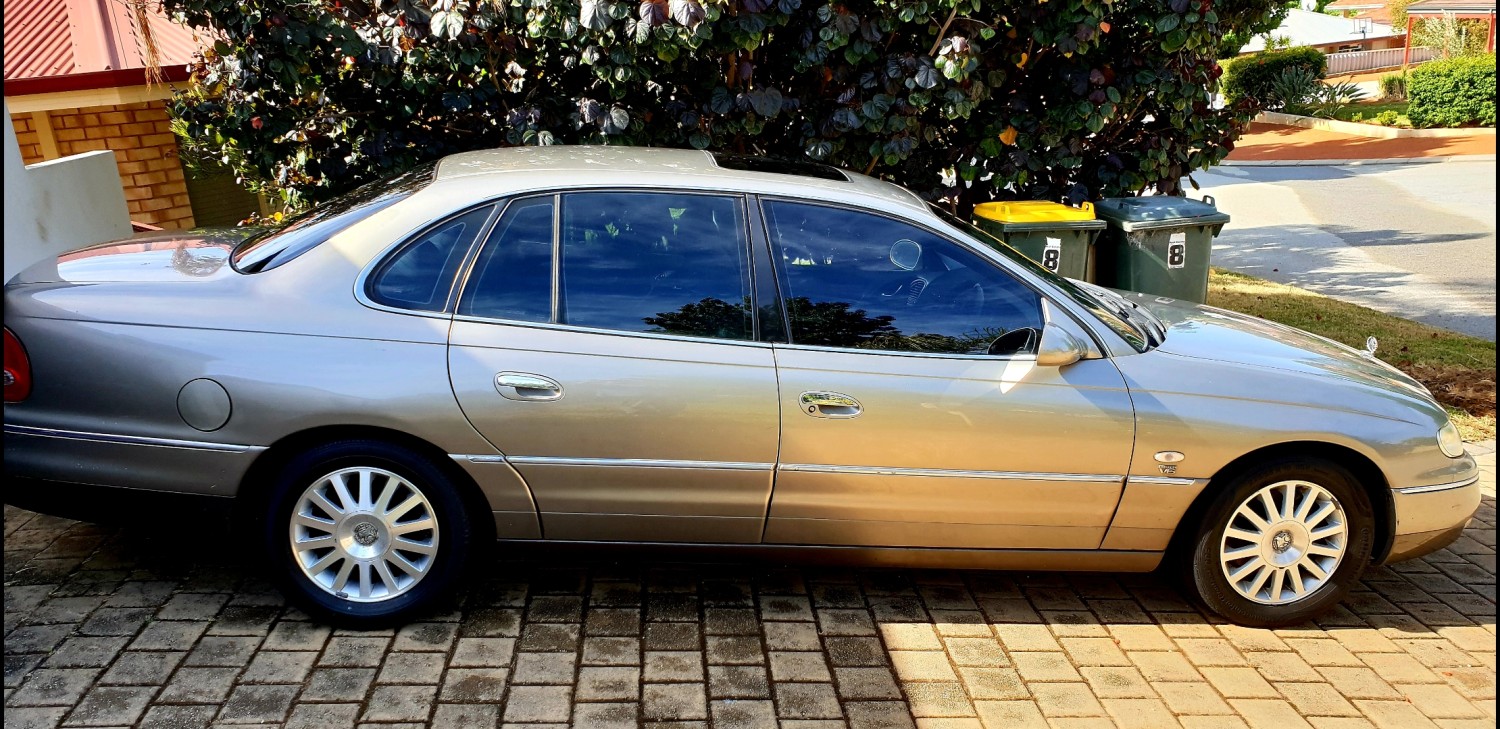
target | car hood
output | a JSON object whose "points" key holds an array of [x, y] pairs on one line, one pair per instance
{"points": [[167, 257], [1208, 333]]}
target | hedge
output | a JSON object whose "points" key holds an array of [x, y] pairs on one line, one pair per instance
{"points": [[1252, 77], [1457, 92]]}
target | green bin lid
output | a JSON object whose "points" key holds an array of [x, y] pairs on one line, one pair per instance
{"points": [[1158, 211]]}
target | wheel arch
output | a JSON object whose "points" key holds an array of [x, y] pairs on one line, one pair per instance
{"points": [[254, 490], [1366, 473]]}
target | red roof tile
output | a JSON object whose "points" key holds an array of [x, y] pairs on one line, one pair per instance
{"points": [[51, 38]]}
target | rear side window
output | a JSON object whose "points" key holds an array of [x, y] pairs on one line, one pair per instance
{"points": [[267, 250], [512, 279], [420, 275]]}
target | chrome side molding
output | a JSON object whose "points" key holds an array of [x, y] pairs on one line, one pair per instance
{"points": [[1438, 486], [137, 440]]}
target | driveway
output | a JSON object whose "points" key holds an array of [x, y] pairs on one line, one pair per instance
{"points": [[143, 627], [1415, 240]]}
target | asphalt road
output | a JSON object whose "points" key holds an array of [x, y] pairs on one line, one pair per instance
{"points": [[1415, 240]]}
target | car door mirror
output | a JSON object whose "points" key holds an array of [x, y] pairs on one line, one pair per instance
{"points": [[1063, 343]]}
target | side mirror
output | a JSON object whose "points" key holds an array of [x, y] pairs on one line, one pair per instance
{"points": [[1063, 343]]}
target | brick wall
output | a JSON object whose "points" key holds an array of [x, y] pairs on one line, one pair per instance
{"points": [[31, 150], [145, 152]]}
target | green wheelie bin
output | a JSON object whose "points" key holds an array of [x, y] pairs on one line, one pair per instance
{"points": [[1059, 237], [1159, 245]]}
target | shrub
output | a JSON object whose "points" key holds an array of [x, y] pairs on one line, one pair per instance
{"points": [[1388, 118], [1453, 93], [1393, 87], [1252, 78], [960, 100]]}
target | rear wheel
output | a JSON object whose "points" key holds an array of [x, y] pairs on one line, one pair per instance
{"points": [[1285, 541], [364, 533]]}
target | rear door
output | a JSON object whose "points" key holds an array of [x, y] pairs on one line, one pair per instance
{"points": [[605, 343]]}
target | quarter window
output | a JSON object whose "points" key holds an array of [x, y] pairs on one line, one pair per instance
{"points": [[864, 281], [512, 278], [420, 275], [655, 262]]}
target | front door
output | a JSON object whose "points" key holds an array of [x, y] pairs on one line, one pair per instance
{"points": [[604, 342], [913, 414]]}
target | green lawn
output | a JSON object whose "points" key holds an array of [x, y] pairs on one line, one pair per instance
{"points": [[1460, 370], [1370, 109]]}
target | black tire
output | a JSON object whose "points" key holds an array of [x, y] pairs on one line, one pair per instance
{"points": [[1205, 575], [455, 533]]}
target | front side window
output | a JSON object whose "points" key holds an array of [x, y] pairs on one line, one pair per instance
{"points": [[864, 281], [420, 275], [662, 263]]}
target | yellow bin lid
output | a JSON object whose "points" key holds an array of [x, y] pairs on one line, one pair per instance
{"points": [[1032, 211]]}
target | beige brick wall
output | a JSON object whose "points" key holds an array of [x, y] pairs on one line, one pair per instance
{"points": [[145, 152]]}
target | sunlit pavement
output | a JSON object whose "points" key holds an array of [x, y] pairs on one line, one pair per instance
{"points": [[145, 627]]}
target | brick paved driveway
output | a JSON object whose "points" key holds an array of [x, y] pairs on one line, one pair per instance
{"points": [[110, 627]]}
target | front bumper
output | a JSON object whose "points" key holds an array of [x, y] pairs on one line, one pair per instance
{"points": [[1429, 518]]}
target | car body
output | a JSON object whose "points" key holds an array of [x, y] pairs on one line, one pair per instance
{"points": [[485, 316]]}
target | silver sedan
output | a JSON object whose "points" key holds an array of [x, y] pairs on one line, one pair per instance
{"points": [[621, 345]]}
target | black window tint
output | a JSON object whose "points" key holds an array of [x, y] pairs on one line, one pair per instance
{"points": [[420, 275], [803, 168], [655, 262], [512, 278], [854, 279]]}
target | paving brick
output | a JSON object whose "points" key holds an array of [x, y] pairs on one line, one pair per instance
{"points": [[792, 637], [1317, 699], [198, 717], [544, 668], [1192, 698], [425, 637], [138, 668], [674, 701], [992, 683], [258, 705], [1114, 682], [199, 685], [1393, 714], [676, 666], [1020, 637], [332, 716], [1269, 714], [611, 652], [86, 652], [1066, 699], [1045, 667], [339, 684], [399, 703], [621, 715], [176, 635], [807, 701], [53, 687], [1211, 652], [1239, 683], [354, 651], [743, 715], [110, 706], [1359, 683], [1094, 652], [473, 685], [1140, 713], [1283, 667], [985, 652], [1323, 652], [1439, 701], [297, 635], [609, 683], [738, 682]]}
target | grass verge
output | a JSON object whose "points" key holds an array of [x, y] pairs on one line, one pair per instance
{"points": [[1368, 110], [1459, 369]]}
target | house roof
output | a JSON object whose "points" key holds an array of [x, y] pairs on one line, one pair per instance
{"points": [[1459, 7], [1375, 10], [1307, 28], [77, 44]]}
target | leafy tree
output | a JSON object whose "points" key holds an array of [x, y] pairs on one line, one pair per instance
{"points": [[960, 100]]}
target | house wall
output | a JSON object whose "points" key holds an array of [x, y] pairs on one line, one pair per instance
{"points": [[42, 204], [145, 151]]}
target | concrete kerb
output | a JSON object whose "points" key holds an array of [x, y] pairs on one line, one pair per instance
{"points": [[1371, 131], [1357, 162]]}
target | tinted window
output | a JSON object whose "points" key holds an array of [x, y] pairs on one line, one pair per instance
{"points": [[512, 278], [308, 230], [854, 279], [655, 262], [420, 275]]}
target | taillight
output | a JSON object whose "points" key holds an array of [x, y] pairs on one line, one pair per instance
{"points": [[17, 369]]}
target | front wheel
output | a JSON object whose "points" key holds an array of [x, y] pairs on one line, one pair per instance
{"points": [[1285, 541], [365, 534]]}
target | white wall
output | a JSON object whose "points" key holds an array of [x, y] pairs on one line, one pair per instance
{"points": [[54, 207]]}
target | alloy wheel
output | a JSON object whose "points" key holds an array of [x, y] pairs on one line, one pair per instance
{"points": [[364, 534], [1284, 542]]}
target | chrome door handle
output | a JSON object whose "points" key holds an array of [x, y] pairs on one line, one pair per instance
{"points": [[824, 404], [524, 386]]}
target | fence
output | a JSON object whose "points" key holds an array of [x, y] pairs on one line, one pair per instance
{"points": [[1355, 61]]}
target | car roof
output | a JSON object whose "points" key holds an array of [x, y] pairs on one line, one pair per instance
{"points": [[531, 168]]}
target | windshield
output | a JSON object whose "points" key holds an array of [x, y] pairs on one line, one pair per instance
{"points": [[1133, 323], [271, 248]]}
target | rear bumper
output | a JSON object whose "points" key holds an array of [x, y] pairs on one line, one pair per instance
{"points": [[1429, 518], [125, 461]]}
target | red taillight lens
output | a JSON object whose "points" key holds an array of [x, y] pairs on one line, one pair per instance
{"points": [[17, 369]]}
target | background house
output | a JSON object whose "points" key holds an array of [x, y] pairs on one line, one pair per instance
{"points": [[76, 80], [1331, 34]]}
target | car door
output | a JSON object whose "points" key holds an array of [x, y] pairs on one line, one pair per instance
{"points": [[604, 342], [913, 411]]}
